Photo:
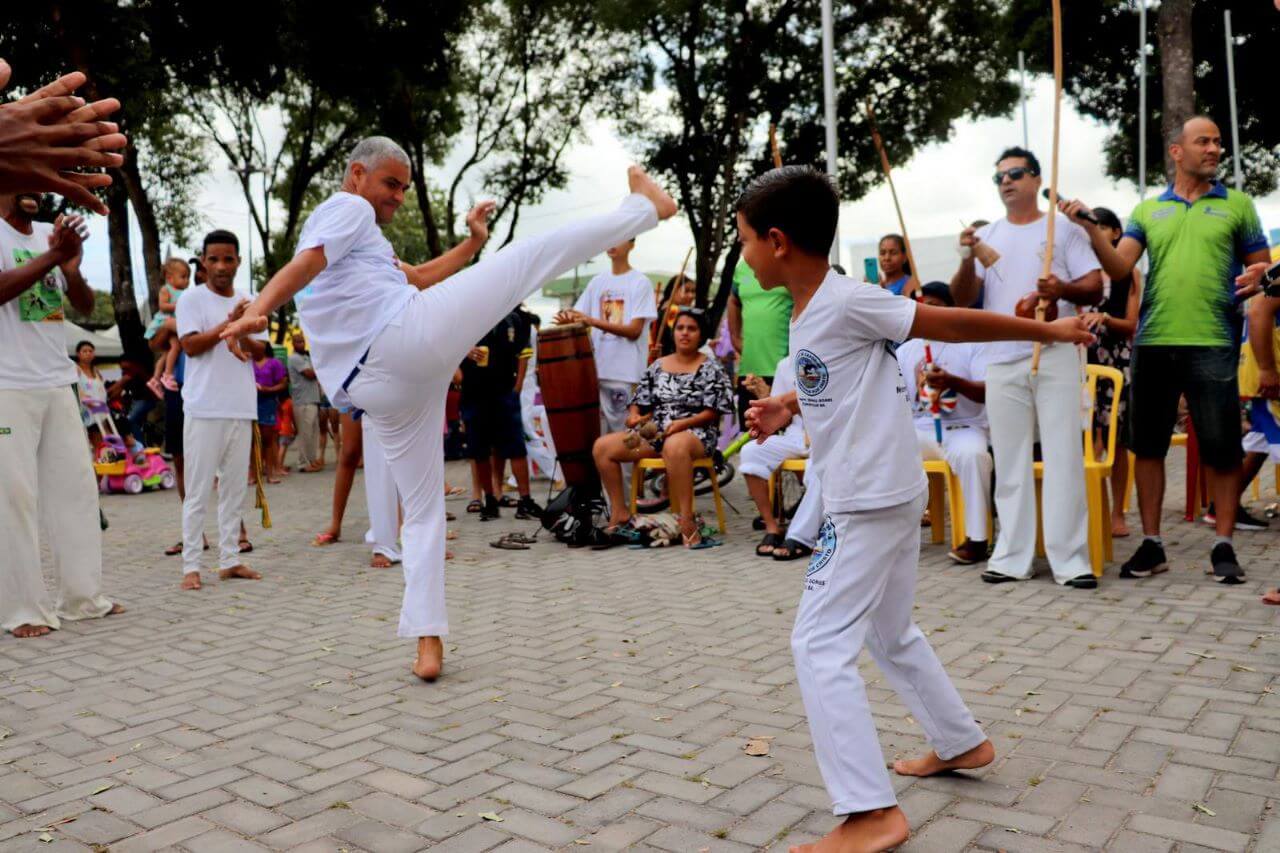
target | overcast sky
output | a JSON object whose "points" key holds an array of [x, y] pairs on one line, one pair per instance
{"points": [[943, 185]]}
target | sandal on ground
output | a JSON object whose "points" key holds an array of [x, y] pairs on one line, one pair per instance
{"points": [[508, 502], [624, 533], [246, 547], [509, 543], [792, 550], [448, 516], [768, 545], [454, 492], [475, 506], [325, 538], [176, 548]]}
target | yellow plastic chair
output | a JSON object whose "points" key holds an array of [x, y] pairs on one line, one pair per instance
{"points": [[1179, 439], [1097, 474], [637, 477], [944, 491]]}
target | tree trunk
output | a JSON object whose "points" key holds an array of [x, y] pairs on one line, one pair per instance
{"points": [[123, 301], [147, 225], [721, 299], [1173, 28]]}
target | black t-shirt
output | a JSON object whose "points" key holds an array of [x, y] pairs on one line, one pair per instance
{"points": [[506, 341]]}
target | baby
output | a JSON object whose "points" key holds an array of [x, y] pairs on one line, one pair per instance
{"points": [[163, 331]]}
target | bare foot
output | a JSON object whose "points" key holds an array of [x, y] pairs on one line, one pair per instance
{"points": [[1271, 597], [641, 183], [240, 571], [430, 658], [191, 580], [380, 561], [1120, 528], [23, 632], [930, 765], [451, 534], [117, 608], [865, 832], [448, 555]]}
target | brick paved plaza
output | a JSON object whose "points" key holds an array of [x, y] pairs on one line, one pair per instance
{"points": [[602, 701]]}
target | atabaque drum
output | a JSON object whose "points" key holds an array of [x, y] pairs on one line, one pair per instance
{"points": [[570, 393]]}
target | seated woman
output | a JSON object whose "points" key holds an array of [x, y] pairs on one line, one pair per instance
{"points": [[683, 394], [680, 293]]}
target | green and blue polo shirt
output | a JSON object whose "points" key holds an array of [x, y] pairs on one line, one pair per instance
{"points": [[1195, 250]]}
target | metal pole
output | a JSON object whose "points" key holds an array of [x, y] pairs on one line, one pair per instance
{"points": [[829, 100], [1022, 96], [1142, 100], [1237, 148]]}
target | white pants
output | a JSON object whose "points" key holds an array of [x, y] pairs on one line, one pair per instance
{"points": [[859, 590], [214, 448], [1015, 402], [965, 450], [807, 521], [306, 417], [1256, 442], [380, 497], [405, 378], [762, 459], [46, 480]]}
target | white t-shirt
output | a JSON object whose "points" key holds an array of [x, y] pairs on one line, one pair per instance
{"points": [[360, 289], [33, 348], [619, 299], [968, 361], [853, 396], [1021, 249], [216, 383]]}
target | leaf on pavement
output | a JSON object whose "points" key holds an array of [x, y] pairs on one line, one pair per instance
{"points": [[493, 816]]}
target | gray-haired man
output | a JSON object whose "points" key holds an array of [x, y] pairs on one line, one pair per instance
{"points": [[391, 350]]}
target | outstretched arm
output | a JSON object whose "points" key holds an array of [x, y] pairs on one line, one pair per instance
{"points": [[1262, 331], [959, 325], [284, 285], [438, 269]]}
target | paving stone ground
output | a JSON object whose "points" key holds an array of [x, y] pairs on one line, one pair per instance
{"points": [[602, 701]]}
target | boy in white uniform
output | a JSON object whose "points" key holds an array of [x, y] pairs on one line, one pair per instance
{"points": [[45, 476], [958, 374], [860, 582], [219, 405], [392, 350]]}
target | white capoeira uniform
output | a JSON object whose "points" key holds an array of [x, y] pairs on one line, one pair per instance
{"points": [[391, 351], [860, 583], [220, 405], [380, 497], [964, 429]]}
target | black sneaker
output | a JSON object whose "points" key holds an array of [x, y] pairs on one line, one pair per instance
{"points": [[1148, 560], [1083, 582], [490, 511], [528, 508], [1245, 521], [991, 576], [1224, 567]]}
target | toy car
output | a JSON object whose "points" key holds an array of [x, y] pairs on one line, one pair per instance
{"points": [[133, 471]]}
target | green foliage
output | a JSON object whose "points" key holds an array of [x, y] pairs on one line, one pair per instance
{"points": [[103, 315], [1100, 64]]}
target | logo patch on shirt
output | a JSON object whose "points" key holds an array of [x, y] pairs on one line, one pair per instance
{"points": [[824, 549], [1164, 213], [1213, 211], [812, 375]]}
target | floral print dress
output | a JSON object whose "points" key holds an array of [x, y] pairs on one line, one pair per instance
{"points": [[674, 396]]}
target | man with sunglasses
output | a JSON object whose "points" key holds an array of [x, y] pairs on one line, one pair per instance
{"points": [[1018, 401], [1198, 236]]}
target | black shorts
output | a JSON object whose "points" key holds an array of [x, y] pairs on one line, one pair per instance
{"points": [[744, 399], [493, 425], [1207, 377], [173, 422]]}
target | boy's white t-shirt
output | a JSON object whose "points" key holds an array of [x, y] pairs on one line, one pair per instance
{"points": [[853, 397], [619, 299], [966, 360], [216, 384], [33, 346], [360, 289], [1021, 249]]}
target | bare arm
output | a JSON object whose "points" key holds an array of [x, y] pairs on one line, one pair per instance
{"points": [[438, 269], [15, 281], [704, 418], [965, 283], [284, 285], [1262, 331], [965, 324], [167, 305], [631, 331], [735, 323], [522, 369]]}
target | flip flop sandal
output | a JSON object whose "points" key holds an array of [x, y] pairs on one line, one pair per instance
{"points": [[791, 550], [176, 549], [705, 543], [522, 538], [508, 543], [508, 502], [325, 538], [770, 543], [475, 506], [454, 492]]}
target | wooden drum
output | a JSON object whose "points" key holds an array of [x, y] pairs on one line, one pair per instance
{"points": [[571, 395]]}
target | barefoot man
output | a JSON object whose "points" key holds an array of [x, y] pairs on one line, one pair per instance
{"points": [[219, 404], [391, 350], [860, 584]]}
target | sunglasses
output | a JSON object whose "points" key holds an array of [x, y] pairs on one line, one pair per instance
{"points": [[1017, 173], [689, 309]]}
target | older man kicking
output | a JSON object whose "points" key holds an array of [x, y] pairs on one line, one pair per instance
{"points": [[390, 349]]}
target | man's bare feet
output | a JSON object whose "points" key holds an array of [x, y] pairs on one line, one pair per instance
{"points": [[640, 182], [191, 580], [24, 632], [117, 609], [930, 765], [241, 571], [430, 658], [1271, 597], [380, 561], [865, 832]]}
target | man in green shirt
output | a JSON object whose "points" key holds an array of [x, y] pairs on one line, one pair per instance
{"points": [[1198, 235], [760, 328]]}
